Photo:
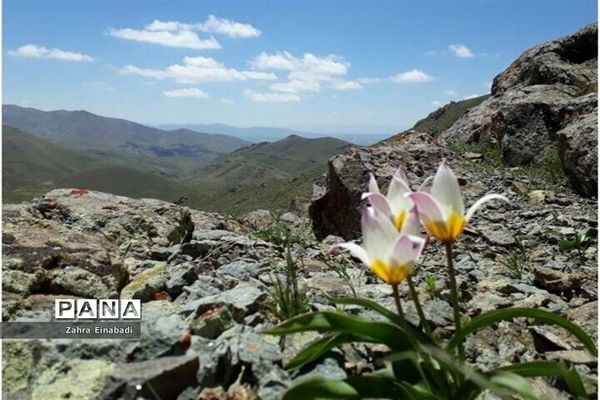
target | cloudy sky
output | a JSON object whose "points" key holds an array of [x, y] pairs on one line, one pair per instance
{"points": [[353, 66]]}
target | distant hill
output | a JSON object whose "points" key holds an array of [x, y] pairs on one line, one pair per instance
{"points": [[264, 175], [258, 134], [31, 166], [443, 118], [165, 152], [280, 159]]}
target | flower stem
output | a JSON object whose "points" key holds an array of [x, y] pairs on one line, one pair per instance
{"points": [[453, 292], [399, 308], [415, 297]]}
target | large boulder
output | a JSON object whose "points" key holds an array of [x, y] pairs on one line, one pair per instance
{"points": [[577, 145], [571, 60], [336, 207], [534, 104]]}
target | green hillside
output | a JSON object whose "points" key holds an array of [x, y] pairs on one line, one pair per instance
{"points": [[277, 160], [442, 118], [272, 194], [264, 175], [33, 166]]}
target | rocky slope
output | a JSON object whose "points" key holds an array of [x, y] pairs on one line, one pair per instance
{"points": [[206, 301], [546, 100]]}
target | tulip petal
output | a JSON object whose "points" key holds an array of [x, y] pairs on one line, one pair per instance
{"points": [[400, 174], [425, 183], [379, 202], [379, 234], [411, 225], [373, 186], [396, 195], [354, 249], [429, 208], [407, 249], [446, 190], [477, 205]]}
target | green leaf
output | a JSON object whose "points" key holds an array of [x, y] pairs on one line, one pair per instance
{"points": [[373, 306], [514, 383], [321, 388], [550, 368], [320, 347], [333, 322], [496, 316], [381, 386]]}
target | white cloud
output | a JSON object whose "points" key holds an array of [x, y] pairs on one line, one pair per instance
{"points": [[412, 76], [296, 86], [187, 92], [436, 103], [181, 34], [450, 92], [271, 97], [471, 96], [305, 74], [488, 85], [229, 28], [198, 69], [430, 53], [170, 38], [347, 85], [227, 101], [461, 51], [35, 51]]}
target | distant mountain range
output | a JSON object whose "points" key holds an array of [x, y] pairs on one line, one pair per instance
{"points": [[156, 150], [49, 149], [269, 134]]}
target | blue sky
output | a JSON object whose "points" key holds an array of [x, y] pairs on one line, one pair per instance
{"points": [[331, 66]]}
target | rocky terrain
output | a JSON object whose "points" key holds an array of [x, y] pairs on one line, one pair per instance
{"points": [[206, 280]]}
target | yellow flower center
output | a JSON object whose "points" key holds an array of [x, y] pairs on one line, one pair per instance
{"points": [[390, 273], [448, 231], [400, 218]]}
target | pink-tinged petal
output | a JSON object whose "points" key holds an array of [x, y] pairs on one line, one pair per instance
{"points": [[446, 190], [379, 202], [379, 234], [400, 174], [412, 226], [407, 249], [429, 208], [373, 186], [425, 183], [477, 205], [354, 249]]}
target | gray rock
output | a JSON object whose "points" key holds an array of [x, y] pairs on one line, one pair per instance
{"points": [[178, 276], [212, 323], [144, 285], [20, 282], [240, 270], [165, 378], [242, 300], [578, 148], [79, 282]]}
